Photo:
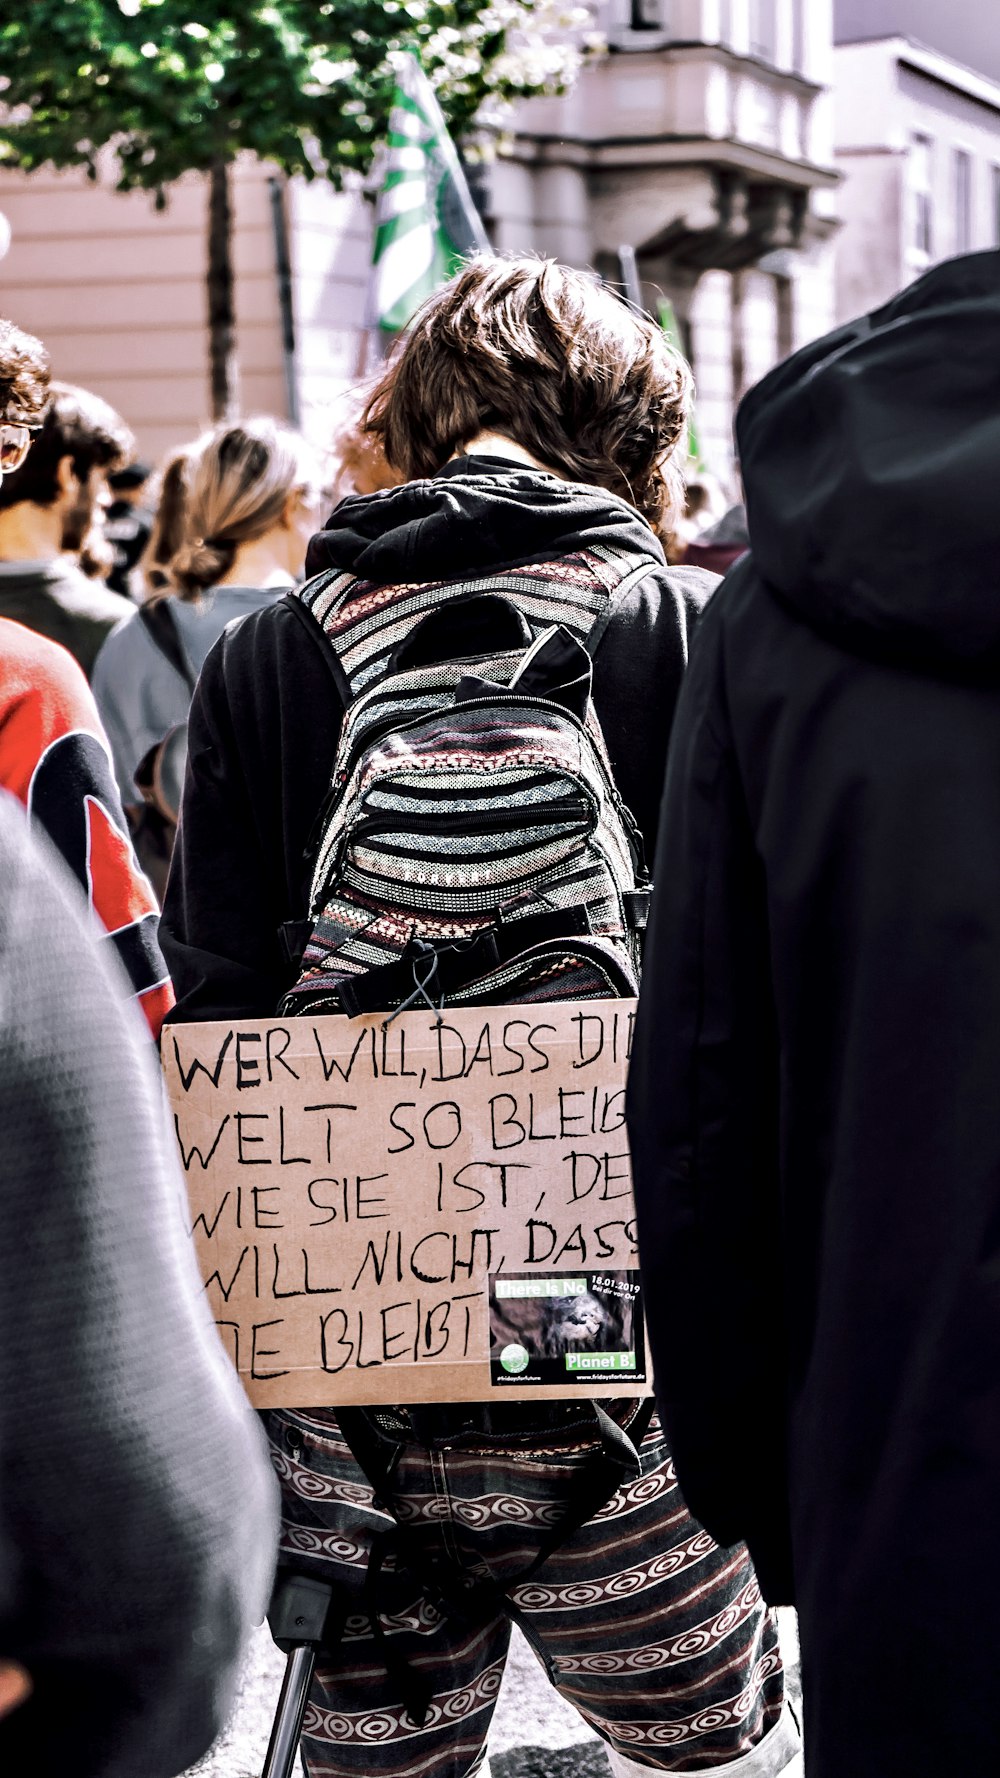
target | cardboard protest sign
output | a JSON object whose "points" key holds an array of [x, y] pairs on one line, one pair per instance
{"points": [[415, 1209]]}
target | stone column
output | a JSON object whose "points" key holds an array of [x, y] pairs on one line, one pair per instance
{"points": [[562, 214], [784, 33], [736, 25]]}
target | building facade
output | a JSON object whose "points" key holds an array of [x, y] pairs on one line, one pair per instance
{"points": [[918, 142], [703, 141]]}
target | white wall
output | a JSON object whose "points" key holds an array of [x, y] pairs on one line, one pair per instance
{"points": [[331, 244], [869, 252]]}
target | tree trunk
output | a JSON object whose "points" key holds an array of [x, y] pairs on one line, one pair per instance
{"points": [[221, 313]]}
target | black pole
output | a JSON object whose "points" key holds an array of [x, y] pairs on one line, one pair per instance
{"points": [[298, 1617], [283, 268], [221, 312], [287, 1727]]}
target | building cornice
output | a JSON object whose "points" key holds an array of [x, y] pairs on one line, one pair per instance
{"points": [[694, 50], [935, 66], [668, 150], [951, 75]]}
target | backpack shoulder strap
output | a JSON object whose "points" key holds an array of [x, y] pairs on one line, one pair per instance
{"points": [[160, 625], [303, 612], [620, 571], [365, 623]]}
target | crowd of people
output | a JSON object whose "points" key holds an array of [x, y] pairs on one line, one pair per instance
{"points": [[808, 751]]}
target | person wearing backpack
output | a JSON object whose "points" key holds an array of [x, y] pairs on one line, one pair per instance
{"points": [[399, 783], [253, 492]]}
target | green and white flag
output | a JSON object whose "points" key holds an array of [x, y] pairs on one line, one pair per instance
{"points": [[425, 219]]}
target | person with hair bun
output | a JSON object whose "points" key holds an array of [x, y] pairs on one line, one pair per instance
{"points": [[252, 496]]}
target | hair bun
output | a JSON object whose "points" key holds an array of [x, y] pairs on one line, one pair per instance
{"points": [[200, 563]]}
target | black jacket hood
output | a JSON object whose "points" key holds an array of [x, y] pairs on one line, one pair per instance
{"points": [[871, 463], [476, 515]]}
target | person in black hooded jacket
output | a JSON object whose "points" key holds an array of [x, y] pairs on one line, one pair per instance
{"points": [[813, 1096], [534, 416]]}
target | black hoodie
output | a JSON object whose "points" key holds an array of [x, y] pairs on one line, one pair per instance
{"points": [[266, 716], [814, 1095]]}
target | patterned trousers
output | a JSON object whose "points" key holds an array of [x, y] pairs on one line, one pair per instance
{"points": [[657, 1636]]}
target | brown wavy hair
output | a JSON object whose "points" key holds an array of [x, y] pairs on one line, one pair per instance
{"points": [[24, 376], [552, 358]]}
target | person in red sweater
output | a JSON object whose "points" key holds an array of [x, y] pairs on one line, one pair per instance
{"points": [[55, 759], [54, 755]]}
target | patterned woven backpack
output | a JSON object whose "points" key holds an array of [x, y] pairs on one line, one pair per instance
{"points": [[473, 847]]}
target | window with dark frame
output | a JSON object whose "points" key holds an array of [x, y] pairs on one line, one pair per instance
{"points": [[963, 200], [647, 15], [921, 156]]}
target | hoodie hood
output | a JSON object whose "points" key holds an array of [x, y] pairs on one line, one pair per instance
{"points": [[476, 515], [871, 464]]}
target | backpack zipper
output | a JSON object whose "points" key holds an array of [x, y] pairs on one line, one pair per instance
{"points": [[338, 856], [345, 772], [542, 815]]}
